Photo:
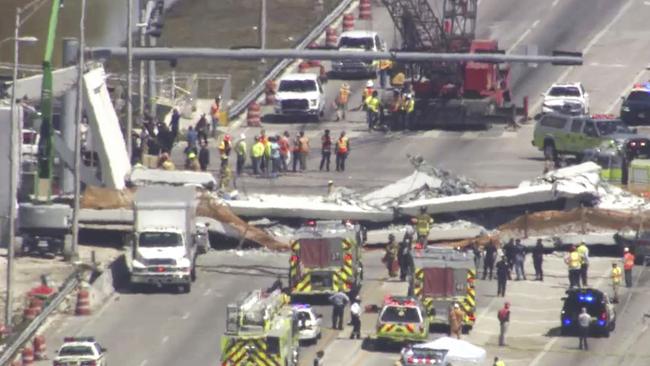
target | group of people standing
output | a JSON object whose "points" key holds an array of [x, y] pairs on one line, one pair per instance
{"points": [[396, 113]]}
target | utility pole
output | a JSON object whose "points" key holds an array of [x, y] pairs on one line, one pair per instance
{"points": [[141, 62], [262, 28], [129, 78], [13, 179], [77, 136]]}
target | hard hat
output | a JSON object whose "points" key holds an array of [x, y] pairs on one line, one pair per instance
{"points": [[626, 249], [226, 137], [457, 306], [345, 86], [191, 155], [370, 84], [242, 136], [408, 96]]}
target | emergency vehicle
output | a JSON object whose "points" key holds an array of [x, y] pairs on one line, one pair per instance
{"points": [[325, 258], [261, 329], [80, 351], [442, 277], [402, 319], [623, 162], [309, 323]]}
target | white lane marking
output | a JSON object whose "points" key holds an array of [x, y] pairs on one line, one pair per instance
{"points": [[616, 101], [164, 340], [588, 47], [186, 316], [144, 362], [494, 333], [523, 36], [554, 3], [647, 3], [207, 292], [617, 66]]}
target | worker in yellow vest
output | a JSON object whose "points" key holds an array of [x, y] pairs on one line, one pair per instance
{"points": [[617, 277], [423, 226], [373, 104], [584, 253], [498, 362], [257, 153], [367, 92], [384, 69], [574, 262], [407, 109]]}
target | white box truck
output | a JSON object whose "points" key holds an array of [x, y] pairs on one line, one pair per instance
{"points": [[166, 239]]}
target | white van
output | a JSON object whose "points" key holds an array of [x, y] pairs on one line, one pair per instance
{"points": [[359, 41]]}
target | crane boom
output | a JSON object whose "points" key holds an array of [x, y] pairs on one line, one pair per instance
{"points": [[43, 185]]}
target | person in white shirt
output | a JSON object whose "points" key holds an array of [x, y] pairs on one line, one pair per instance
{"points": [[355, 310]]}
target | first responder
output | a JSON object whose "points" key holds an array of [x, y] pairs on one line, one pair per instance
{"points": [[574, 262], [367, 92], [355, 313], [584, 254], [498, 362], [192, 162], [342, 151], [215, 111], [628, 264], [617, 276], [390, 257], [503, 274], [504, 320], [338, 300], [423, 226], [384, 69], [372, 109], [257, 152], [407, 108], [241, 151], [224, 150], [455, 321], [584, 322], [404, 259], [326, 151], [165, 162], [342, 101]]}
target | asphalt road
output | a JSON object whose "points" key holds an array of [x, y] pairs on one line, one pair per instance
{"points": [[171, 329]]}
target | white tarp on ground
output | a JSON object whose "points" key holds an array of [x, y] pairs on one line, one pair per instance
{"points": [[458, 351], [113, 157]]}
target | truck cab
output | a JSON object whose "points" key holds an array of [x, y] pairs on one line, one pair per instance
{"points": [[402, 319], [300, 94], [358, 41], [163, 247]]}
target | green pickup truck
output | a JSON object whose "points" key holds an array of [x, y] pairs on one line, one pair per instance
{"points": [[559, 134]]}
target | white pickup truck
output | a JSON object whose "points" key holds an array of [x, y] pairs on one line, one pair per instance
{"points": [[357, 41], [166, 239], [300, 94]]}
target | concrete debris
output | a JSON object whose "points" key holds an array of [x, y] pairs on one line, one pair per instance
{"points": [[454, 230]]}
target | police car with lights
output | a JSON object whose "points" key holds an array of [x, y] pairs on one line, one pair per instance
{"points": [[309, 323], [80, 351], [635, 109], [598, 306]]}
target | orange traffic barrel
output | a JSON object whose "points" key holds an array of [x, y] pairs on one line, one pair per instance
{"points": [[348, 22], [365, 10], [83, 302], [303, 67], [331, 37], [40, 350], [28, 356], [254, 115]]}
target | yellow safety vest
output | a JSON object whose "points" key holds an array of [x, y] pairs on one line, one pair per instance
{"points": [[423, 224], [342, 145], [616, 275], [499, 363], [408, 106], [257, 150], [385, 64], [372, 104], [575, 260]]}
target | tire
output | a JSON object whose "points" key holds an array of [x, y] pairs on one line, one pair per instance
{"points": [[186, 288]]}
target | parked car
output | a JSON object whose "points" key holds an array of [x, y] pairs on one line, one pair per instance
{"points": [[300, 95], [309, 323], [358, 41], [635, 109], [566, 98], [598, 305]]}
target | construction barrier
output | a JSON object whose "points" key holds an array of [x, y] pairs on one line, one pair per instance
{"points": [[365, 10], [269, 92], [303, 67], [28, 356], [348, 22], [40, 350], [331, 37], [254, 115], [83, 302]]}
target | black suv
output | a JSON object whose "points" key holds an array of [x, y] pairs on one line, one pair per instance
{"points": [[598, 306], [635, 109]]}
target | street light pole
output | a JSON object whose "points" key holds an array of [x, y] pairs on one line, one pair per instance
{"points": [[129, 78], [13, 179]]}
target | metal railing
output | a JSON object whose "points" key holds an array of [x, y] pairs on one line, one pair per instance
{"points": [[18, 340], [252, 94]]}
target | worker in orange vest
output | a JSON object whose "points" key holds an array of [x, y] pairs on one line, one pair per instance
{"points": [[342, 151], [384, 69], [628, 264], [215, 111], [342, 101]]}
